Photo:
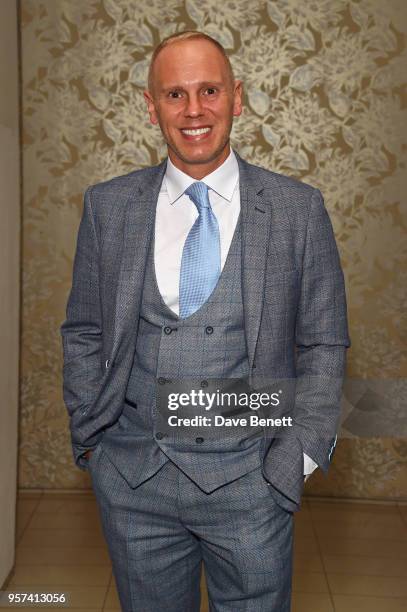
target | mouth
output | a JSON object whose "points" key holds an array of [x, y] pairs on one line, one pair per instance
{"points": [[196, 133]]}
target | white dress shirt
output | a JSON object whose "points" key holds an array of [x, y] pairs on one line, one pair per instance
{"points": [[176, 214]]}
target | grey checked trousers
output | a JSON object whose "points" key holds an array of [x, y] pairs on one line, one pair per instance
{"points": [[159, 533]]}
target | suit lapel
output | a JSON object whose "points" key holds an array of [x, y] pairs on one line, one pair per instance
{"points": [[256, 210], [138, 230]]}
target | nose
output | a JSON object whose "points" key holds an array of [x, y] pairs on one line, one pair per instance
{"points": [[193, 107]]}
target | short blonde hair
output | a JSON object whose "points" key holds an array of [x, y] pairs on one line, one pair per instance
{"points": [[187, 35]]}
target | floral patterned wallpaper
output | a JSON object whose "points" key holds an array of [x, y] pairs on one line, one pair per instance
{"points": [[325, 102]]}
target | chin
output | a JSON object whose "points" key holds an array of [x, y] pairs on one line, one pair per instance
{"points": [[199, 157]]}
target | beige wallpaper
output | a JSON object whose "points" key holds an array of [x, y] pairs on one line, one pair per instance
{"points": [[325, 102]]}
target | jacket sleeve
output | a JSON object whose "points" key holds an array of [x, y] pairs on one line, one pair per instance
{"points": [[321, 338], [82, 333]]}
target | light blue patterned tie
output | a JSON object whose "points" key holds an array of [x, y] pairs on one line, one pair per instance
{"points": [[200, 263]]}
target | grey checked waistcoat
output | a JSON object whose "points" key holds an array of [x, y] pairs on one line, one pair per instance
{"points": [[209, 344]]}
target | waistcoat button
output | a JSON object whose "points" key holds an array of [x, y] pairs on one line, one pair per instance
{"points": [[209, 330], [204, 383], [161, 381], [167, 330], [199, 440], [159, 435]]}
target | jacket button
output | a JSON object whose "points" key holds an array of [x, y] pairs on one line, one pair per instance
{"points": [[159, 435], [161, 381], [107, 364], [167, 330], [204, 383], [209, 330], [199, 440]]}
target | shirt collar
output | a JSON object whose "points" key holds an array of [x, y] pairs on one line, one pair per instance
{"points": [[222, 180]]}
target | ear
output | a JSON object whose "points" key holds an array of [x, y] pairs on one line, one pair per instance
{"points": [[151, 107], [237, 98]]}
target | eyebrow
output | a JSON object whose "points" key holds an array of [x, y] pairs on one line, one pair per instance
{"points": [[199, 85]]}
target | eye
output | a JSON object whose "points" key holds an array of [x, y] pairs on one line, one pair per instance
{"points": [[174, 94], [210, 90]]}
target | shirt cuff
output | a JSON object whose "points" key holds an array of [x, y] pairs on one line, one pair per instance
{"points": [[309, 465]]}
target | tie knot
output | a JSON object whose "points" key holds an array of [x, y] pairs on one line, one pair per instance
{"points": [[198, 192]]}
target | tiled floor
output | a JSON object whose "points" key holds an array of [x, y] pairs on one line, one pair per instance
{"points": [[349, 557]]}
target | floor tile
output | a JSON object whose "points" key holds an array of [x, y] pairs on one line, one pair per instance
{"points": [[353, 512], [345, 603], [392, 549], [204, 603], [49, 505], [305, 544], [311, 602], [371, 532], [373, 586], [27, 494], [27, 505], [359, 521], [112, 598], [82, 520], [81, 555], [309, 582], [402, 508], [71, 538], [308, 562], [204, 594], [355, 508], [25, 509], [368, 566], [61, 575], [304, 530], [22, 521], [303, 516]]}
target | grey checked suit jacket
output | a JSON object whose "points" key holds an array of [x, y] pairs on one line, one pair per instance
{"points": [[294, 310]]}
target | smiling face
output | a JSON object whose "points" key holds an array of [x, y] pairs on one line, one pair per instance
{"points": [[194, 99]]}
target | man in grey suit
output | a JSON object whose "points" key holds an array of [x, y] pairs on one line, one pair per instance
{"points": [[203, 268]]}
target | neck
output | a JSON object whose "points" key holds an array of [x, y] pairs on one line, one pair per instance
{"points": [[199, 170]]}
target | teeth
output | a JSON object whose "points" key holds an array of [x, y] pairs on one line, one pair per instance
{"points": [[196, 132]]}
